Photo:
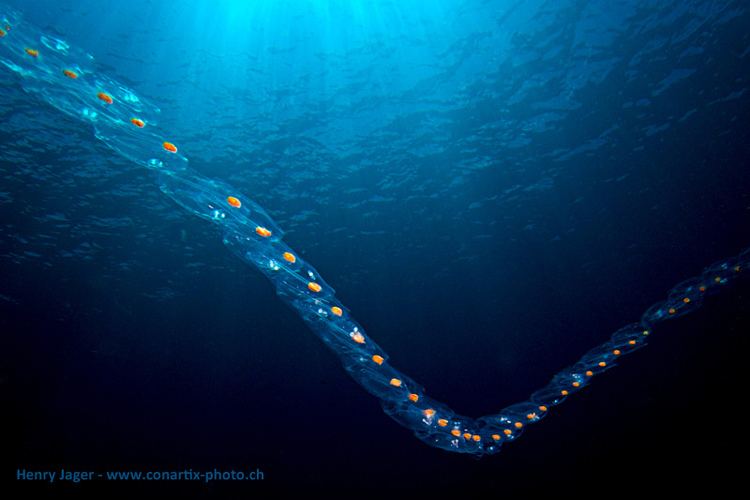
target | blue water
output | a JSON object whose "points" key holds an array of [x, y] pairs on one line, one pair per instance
{"points": [[491, 187]]}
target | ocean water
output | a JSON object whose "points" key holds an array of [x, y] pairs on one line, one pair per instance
{"points": [[492, 188]]}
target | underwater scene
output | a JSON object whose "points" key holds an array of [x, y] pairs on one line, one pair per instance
{"points": [[361, 248]]}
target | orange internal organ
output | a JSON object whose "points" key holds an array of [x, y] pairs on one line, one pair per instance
{"points": [[289, 257], [234, 201], [377, 359], [32, 52], [168, 146], [138, 122], [337, 311], [103, 96], [314, 287], [262, 231], [70, 74]]}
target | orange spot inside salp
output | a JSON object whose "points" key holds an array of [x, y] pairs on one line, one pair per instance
{"points": [[395, 382], [377, 359], [442, 422], [289, 257], [702, 288], [456, 432], [476, 437], [531, 416], [414, 398], [576, 384], [589, 373], [518, 425], [2, 33], [507, 432], [686, 300], [168, 146], [737, 269], [337, 311], [467, 436], [717, 279], [262, 231], [496, 437], [672, 310], [542, 408], [616, 352], [103, 96], [314, 287], [602, 364], [358, 337], [429, 413], [138, 122], [631, 342], [70, 74], [234, 202], [32, 52], [564, 392]]}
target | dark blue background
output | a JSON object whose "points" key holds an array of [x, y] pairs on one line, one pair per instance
{"points": [[492, 188]]}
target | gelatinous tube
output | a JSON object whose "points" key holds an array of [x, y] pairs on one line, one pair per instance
{"points": [[64, 77]]}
